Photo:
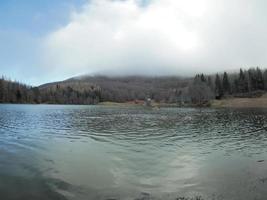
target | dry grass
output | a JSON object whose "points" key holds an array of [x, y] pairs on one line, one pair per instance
{"points": [[138, 103], [259, 102]]}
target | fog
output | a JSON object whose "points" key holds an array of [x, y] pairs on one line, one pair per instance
{"points": [[163, 37], [131, 37]]}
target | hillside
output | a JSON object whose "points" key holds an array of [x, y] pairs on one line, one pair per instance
{"points": [[122, 89], [197, 91]]}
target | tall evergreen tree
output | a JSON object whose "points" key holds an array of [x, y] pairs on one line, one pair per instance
{"points": [[18, 95], [203, 78], [226, 84], [259, 79], [252, 79], [1, 90], [242, 82], [218, 87], [265, 79]]}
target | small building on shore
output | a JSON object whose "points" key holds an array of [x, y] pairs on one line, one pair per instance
{"points": [[148, 102]]}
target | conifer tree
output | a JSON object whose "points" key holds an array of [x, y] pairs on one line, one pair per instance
{"points": [[218, 87], [226, 84]]}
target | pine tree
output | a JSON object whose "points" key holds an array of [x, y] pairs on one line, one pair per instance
{"points": [[259, 79], [18, 95], [202, 78], [218, 87], [226, 84], [265, 79], [1, 90], [242, 82]]}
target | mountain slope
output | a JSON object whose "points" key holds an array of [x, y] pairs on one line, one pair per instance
{"points": [[122, 89]]}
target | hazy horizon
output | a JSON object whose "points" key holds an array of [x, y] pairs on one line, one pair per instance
{"points": [[122, 76], [52, 41]]}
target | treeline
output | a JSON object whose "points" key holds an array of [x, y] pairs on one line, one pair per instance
{"points": [[14, 92], [70, 93], [61, 93], [92, 90], [246, 83], [95, 89]]}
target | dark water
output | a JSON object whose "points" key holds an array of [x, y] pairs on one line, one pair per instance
{"points": [[94, 152]]}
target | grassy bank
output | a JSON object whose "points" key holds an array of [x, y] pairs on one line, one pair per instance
{"points": [[257, 102], [109, 103], [139, 103]]}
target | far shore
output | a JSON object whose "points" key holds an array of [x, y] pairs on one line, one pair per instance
{"points": [[138, 104], [257, 102], [231, 102]]}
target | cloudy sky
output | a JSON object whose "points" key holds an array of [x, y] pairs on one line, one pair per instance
{"points": [[48, 40]]}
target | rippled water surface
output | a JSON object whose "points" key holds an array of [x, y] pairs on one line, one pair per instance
{"points": [[97, 152]]}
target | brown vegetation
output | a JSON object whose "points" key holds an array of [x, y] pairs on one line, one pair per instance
{"points": [[257, 102]]}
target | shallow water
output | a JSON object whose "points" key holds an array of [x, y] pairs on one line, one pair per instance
{"points": [[99, 152]]}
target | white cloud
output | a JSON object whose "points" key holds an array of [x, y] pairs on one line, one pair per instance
{"points": [[164, 37]]}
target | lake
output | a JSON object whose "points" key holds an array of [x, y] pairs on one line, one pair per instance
{"points": [[50, 152]]}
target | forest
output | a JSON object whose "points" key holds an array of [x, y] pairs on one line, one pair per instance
{"points": [[94, 89], [247, 83]]}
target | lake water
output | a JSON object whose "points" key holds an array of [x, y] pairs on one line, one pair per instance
{"points": [[50, 152]]}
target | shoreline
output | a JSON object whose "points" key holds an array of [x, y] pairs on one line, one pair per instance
{"points": [[257, 102], [140, 104], [232, 102]]}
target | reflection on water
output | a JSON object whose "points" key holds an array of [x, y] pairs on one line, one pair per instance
{"points": [[94, 152]]}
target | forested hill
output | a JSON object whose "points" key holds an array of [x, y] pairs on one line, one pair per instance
{"points": [[14, 92], [94, 89], [116, 89]]}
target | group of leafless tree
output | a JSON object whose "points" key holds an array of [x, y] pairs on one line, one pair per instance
{"points": [[14, 92], [94, 89], [123, 89]]}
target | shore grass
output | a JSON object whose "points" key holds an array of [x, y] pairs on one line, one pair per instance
{"points": [[124, 104], [232, 102], [139, 104], [257, 102]]}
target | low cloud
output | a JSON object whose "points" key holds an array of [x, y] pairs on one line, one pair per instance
{"points": [[163, 37]]}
